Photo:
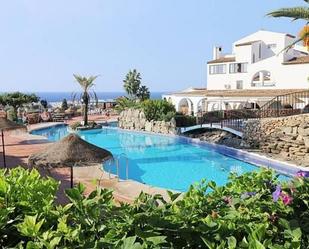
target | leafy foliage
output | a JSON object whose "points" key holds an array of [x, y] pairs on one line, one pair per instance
{"points": [[185, 120], [64, 104], [143, 93], [242, 214], [296, 13], [124, 103], [86, 83], [133, 87], [44, 103], [17, 99], [158, 110]]}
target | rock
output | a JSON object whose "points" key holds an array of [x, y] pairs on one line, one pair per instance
{"points": [[286, 130], [306, 140]]}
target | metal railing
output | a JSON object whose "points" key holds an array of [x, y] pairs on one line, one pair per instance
{"points": [[280, 106], [122, 155]]}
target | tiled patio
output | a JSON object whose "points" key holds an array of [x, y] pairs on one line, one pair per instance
{"points": [[19, 145]]}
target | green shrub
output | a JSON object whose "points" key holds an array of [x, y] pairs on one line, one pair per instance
{"points": [[185, 120], [11, 114], [75, 125], [124, 103], [158, 110], [253, 210]]}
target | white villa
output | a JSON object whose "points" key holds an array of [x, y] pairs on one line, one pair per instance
{"points": [[255, 72]]}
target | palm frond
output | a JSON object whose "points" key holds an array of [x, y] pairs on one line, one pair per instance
{"points": [[96, 98], [301, 38], [294, 13]]}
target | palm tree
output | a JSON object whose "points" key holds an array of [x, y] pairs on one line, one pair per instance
{"points": [[296, 13], [132, 83], [86, 84], [143, 93]]}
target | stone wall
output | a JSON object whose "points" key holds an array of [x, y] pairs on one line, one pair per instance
{"points": [[286, 137], [135, 120]]}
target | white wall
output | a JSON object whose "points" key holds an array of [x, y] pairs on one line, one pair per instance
{"points": [[285, 76]]}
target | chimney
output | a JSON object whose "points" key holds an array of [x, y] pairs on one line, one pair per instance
{"points": [[217, 52]]}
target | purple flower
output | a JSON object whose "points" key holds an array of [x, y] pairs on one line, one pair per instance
{"points": [[276, 193], [302, 174]]}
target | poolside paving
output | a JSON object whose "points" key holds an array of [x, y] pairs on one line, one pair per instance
{"points": [[19, 145]]}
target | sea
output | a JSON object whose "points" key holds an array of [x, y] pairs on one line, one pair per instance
{"points": [[55, 98]]}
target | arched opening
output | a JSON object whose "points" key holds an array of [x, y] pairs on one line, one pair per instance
{"points": [[215, 107], [262, 78], [306, 109], [185, 106], [202, 106], [227, 106], [170, 100]]}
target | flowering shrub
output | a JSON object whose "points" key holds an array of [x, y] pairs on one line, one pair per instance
{"points": [[254, 210]]}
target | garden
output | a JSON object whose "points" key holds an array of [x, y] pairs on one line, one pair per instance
{"points": [[254, 210]]}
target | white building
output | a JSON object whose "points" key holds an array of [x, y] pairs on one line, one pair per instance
{"points": [[257, 70]]}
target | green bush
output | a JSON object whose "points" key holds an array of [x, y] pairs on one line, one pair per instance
{"points": [[11, 114], [185, 120], [124, 103], [77, 124], [158, 110], [254, 210]]}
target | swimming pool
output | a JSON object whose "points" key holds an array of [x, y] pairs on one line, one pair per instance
{"points": [[161, 161]]}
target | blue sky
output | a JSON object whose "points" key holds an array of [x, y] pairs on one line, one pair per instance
{"points": [[169, 41]]}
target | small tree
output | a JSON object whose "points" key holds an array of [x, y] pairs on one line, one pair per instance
{"points": [[18, 99], [64, 105], [44, 103], [86, 84]]}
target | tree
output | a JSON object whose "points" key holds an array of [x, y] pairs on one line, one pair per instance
{"points": [[18, 99], [143, 93], [44, 103], [296, 13], [64, 105], [86, 84], [132, 83], [133, 87]]}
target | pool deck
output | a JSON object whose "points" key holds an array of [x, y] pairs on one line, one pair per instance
{"points": [[19, 145]]}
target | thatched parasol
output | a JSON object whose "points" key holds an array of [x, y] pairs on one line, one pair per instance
{"points": [[5, 125], [68, 152]]}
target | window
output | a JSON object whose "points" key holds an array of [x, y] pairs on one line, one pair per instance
{"points": [[253, 58], [272, 46], [217, 69], [239, 84], [260, 51], [238, 67]]}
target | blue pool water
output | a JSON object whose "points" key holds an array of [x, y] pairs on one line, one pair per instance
{"points": [[161, 161]]}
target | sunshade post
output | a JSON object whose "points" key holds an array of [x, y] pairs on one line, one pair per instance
{"points": [[72, 183], [3, 149]]}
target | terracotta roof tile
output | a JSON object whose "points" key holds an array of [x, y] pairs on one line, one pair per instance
{"points": [[297, 60], [239, 93], [222, 60]]}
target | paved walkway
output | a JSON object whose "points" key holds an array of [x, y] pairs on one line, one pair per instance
{"points": [[19, 145]]}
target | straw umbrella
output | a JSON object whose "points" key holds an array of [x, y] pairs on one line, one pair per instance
{"points": [[68, 152], [6, 125]]}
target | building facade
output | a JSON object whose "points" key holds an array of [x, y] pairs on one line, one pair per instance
{"points": [[258, 69]]}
